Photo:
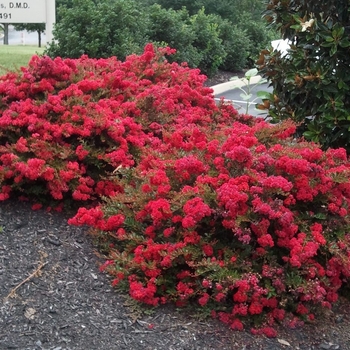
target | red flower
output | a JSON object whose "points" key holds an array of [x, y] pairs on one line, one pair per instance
{"points": [[206, 283], [237, 325], [266, 241], [81, 152], [208, 250], [203, 300], [255, 308], [240, 154], [196, 209], [240, 297], [240, 309], [37, 206]]}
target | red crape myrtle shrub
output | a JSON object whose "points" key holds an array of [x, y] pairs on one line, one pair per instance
{"points": [[238, 217], [66, 124], [196, 203]]}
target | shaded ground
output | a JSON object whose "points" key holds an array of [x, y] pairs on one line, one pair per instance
{"points": [[54, 297], [222, 77]]}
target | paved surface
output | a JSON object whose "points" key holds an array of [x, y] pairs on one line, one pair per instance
{"points": [[231, 91]]}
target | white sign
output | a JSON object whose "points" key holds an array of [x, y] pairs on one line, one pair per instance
{"points": [[29, 11]]}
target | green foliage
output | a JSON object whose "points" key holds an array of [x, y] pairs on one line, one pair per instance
{"points": [[30, 27], [207, 35], [311, 83], [242, 30], [257, 36], [102, 29], [118, 28], [234, 40], [231, 10], [192, 6], [169, 26], [202, 40], [207, 41], [172, 28], [62, 3]]}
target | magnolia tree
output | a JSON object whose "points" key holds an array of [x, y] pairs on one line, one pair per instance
{"points": [[311, 82]]}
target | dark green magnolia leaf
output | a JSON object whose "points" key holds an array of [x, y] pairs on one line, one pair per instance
{"points": [[344, 43], [264, 95], [327, 44], [333, 50]]}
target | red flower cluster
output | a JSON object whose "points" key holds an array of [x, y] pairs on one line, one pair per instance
{"points": [[69, 122]]}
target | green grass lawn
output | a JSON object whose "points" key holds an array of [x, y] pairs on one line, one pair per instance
{"points": [[13, 57]]}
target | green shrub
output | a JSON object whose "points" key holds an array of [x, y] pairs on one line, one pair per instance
{"points": [[103, 29], [242, 30], [172, 28], [119, 28], [311, 83], [236, 48], [196, 38], [207, 41]]}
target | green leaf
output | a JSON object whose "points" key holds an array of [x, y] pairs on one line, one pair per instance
{"points": [[251, 73], [344, 43], [333, 50], [310, 135], [327, 44], [338, 32], [264, 95], [320, 216]]}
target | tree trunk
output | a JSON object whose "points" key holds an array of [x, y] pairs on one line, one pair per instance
{"points": [[39, 37], [6, 33]]}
